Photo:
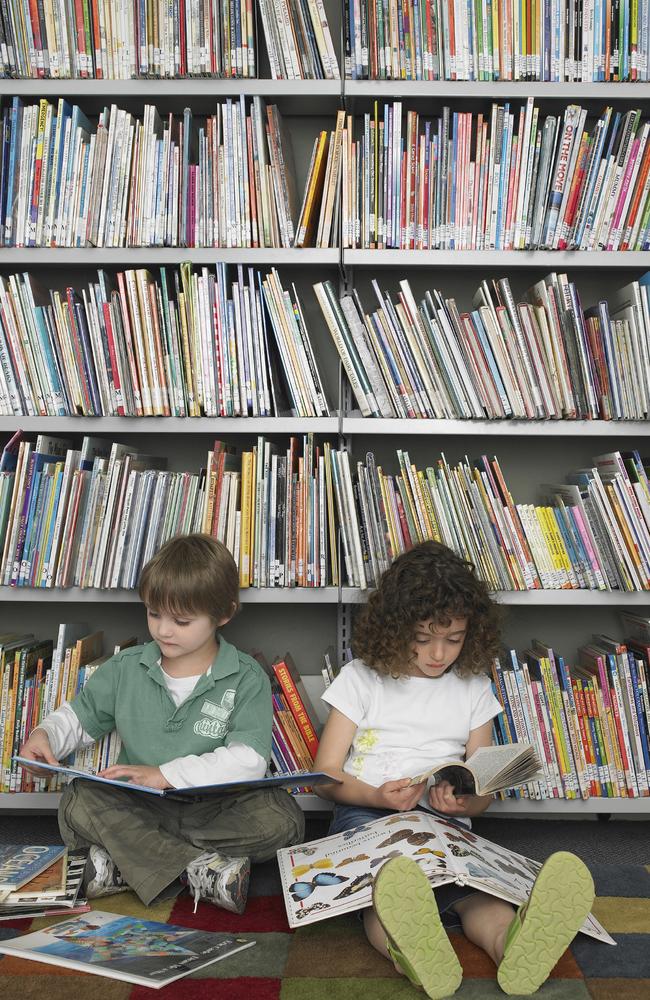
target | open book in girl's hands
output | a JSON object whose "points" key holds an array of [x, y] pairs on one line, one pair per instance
{"points": [[488, 770]]}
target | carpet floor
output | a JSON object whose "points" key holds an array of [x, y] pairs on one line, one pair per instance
{"points": [[331, 960]]}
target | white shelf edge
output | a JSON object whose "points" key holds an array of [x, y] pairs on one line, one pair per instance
{"points": [[174, 425], [500, 259], [142, 256], [506, 89], [496, 428], [541, 598], [187, 87], [49, 801], [94, 595]]}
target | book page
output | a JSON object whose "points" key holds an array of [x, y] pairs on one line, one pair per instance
{"points": [[327, 877]]}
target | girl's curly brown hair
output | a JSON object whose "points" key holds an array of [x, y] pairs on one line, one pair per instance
{"points": [[427, 582]]}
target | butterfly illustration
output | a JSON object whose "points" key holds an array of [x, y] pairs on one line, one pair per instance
{"points": [[299, 870], [415, 839], [358, 883], [384, 857], [350, 861], [301, 890]]}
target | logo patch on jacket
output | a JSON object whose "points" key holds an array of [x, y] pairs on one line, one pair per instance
{"points": [[214, 721]]}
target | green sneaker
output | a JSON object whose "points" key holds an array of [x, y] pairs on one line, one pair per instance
{"points": [[416, 940], [545, 926]]}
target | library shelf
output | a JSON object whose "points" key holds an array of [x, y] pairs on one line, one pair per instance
{"points": [[220, 426], [494, 428], [95, 595], [544, 598], [128, 257], [49, 802], [503, 260], [493, 90], [157, 89]]}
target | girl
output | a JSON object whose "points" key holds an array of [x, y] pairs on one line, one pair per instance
{"points": [[419, 693]]}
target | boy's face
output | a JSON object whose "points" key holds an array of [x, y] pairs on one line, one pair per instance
{"points": [[437, 646], [184, 639]]}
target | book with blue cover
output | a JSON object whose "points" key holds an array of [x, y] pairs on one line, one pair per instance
{"points": [[21, 863], [297, 779]]}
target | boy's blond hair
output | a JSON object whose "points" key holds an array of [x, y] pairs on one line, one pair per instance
{"points": [[190, 575]]}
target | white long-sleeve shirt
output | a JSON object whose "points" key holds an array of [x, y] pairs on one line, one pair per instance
{"points": [[236, 762]]}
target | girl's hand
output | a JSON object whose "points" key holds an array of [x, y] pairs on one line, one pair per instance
{"points": [[399, 795], [443, 800], [37, 747], [139, 774]]}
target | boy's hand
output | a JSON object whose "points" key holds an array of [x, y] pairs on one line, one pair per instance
{"points": [[443, 800], [139, 774], [37, 747], [399, 795]]}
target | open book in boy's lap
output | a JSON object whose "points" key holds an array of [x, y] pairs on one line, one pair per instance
{"points": [[488, 770]]}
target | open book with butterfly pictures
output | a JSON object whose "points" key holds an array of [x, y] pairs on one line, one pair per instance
{"points": [[327, 877], [488, 770]]}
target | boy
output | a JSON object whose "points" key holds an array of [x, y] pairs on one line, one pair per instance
{"points": [[190, 709]]}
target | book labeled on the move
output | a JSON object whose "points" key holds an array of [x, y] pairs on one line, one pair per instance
{"points": [[68, 899], [488, 770], [21, 863], [194, 793], [138, 951], [327, 877]]}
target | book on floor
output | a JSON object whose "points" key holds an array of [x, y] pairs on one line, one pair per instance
{"points": [[327, 877], [194, 793], [49, 882], [138, 951], [19, 863], [488, 770], [24, 901]]}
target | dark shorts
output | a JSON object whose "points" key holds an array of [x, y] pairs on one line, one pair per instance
{"points": [[347, 817]]}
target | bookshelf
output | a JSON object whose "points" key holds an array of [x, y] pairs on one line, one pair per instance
{"points": [[307, 621]]}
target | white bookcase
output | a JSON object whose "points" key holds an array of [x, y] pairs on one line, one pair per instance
{"points": [[307, 621]]}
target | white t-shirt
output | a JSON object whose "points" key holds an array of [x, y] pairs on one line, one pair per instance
{"points": [[407, 724]]}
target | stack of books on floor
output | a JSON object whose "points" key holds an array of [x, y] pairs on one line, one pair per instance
{"points": [[511, 180], [592, 532], [149, 38], [40, 881], [92, 517], [509, 41], [542, 357], [228, 343]]}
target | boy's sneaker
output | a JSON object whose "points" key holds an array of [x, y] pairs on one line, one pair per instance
{"points": [[415, 938], [222, 881], [102, 877], [545, 926]]}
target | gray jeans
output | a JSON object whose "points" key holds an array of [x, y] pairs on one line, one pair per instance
{"points": [[152, 840]]}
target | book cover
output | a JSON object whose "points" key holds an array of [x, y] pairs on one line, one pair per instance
{"points": [[25, 901], [19, 864], [138, 951]]}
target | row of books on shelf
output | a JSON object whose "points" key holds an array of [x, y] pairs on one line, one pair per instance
{"points": [[592, 532], [37, 676], [40, 880], [92, 517], [589, 721], [510, 180], [458, 40], [219, 343], [544, 356], [463, 181], [125, 181], [188, 344], [101, 39]]}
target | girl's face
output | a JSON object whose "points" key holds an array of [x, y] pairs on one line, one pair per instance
{"points": [[436, 647]]}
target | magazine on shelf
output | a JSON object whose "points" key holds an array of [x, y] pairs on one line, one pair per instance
{"points": [[488, 770], [21, 863], [21, 904], [138, 951], [194, 793], [328, 877]]}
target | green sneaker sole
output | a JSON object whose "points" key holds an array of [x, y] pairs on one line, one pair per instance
{"points": [[559, 903], [406, 908]]}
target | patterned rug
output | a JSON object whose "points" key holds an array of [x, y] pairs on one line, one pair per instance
{"points": [[331, 960]]}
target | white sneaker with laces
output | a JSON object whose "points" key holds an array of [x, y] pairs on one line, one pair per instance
{"points": [[102, 876], [220, 880]]}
